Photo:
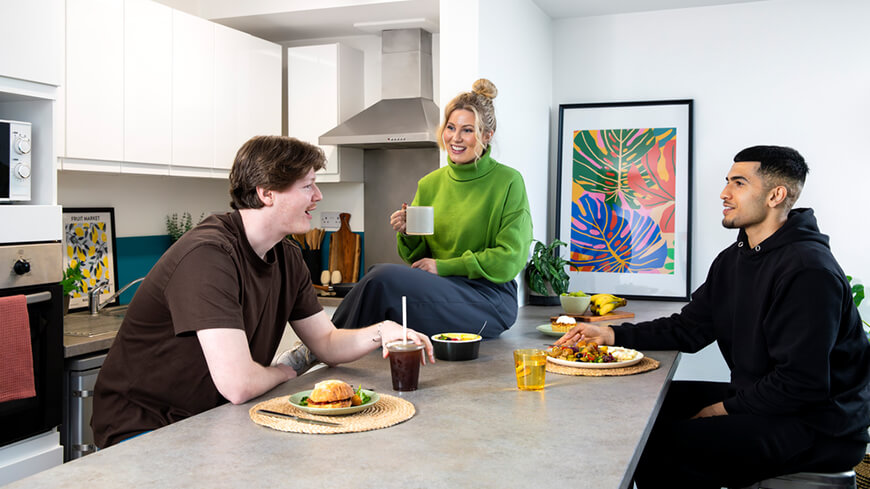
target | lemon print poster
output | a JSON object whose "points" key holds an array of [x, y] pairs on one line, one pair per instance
{"points": [[89, 240]]}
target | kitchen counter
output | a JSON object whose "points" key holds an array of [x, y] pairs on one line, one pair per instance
{"points": [[85, 334], [472, 427]]}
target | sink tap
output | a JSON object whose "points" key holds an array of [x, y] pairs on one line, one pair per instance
{"points": [[94, 303]]}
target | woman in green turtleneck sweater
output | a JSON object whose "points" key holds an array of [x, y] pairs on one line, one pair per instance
{"points": [[463, 274]]}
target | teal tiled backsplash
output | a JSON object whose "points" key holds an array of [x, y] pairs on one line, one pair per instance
{"points": [[137, 254]]}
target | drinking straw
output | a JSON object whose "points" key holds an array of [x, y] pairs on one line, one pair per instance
{"points": [[404, 321]]}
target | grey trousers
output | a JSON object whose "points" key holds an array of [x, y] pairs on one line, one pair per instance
{"points": [[434, 304]]}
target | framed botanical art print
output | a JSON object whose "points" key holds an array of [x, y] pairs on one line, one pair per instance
{"points": [[89, 240], [623, 197]]}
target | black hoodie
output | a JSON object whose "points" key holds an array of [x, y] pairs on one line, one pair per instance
{"points": [[786, 324]]}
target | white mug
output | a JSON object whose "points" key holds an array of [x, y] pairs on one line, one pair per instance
{"points": [[419, 220]]}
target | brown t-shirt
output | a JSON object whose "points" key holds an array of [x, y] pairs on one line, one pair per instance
{"points": [[155, 373]]}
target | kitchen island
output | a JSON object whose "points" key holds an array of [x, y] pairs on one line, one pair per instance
{"points": [[472, 428]]}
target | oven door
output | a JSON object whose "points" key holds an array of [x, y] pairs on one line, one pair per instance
{"points": [[23, 418]]}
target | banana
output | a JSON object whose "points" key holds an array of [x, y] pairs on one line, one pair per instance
{"points": [[599, 299], [601, 304], [606, 308]]}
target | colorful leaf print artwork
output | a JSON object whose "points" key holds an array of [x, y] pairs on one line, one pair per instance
{"points": [[623, 201], [610, 238]]}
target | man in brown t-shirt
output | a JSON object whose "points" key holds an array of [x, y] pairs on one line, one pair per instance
{"points": [[207, 320]]}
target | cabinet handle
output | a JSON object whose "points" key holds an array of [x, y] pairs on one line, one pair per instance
{"points": [[84, 393], [85, 448]]}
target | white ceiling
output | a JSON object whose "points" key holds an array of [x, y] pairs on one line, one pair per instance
{"points": [[295, 20], [562, 9]]}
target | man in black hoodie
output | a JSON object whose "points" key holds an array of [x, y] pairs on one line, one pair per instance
{"points": [[781, 310]]}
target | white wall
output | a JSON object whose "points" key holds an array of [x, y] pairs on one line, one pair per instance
{"points": [[785, 72], [142, 202]]}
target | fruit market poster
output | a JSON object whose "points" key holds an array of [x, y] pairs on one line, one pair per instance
{"points": [[623, 197], [89, 240]]}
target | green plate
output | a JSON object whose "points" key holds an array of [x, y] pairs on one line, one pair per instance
{"points": [[548, 330], [296, 398]]}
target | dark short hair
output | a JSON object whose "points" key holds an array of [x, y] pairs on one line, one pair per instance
{"points": [[270, 162], [779, 165]]}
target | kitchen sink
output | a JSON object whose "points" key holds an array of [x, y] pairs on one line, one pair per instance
{"points": [[117, 312], [83, 324]]}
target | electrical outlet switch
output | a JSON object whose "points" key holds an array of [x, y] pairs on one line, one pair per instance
{"points": [[330, 220]]}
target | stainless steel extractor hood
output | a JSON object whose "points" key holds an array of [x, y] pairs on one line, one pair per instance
{"points": [[406, 116]]}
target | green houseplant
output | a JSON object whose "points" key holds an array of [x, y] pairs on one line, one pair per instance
{"points": [[546, 275], [71, 282], [858, 297], [177, 226]]}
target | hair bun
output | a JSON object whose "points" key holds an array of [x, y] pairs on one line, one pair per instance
{"points": [[484, 87]]}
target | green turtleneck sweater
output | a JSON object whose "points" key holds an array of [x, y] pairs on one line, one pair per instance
{"points": [[483, 227]]}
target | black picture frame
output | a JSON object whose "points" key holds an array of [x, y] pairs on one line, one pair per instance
{"points": [[624, 197], [89, 238]]}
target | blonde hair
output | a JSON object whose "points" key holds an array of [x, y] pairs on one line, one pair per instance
{"points": [[479, 102]]}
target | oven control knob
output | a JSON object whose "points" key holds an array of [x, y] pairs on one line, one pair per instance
{"points": [[21, 266], [23, 171], [22, 145]]}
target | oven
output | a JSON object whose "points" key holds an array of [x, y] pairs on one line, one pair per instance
{"points": [[34, 270]]}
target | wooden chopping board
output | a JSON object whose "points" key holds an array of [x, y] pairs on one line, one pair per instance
{"points": [[344, 250], [592, 318]]}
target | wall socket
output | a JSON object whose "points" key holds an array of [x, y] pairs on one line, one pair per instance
{"points": [[330, 220]]}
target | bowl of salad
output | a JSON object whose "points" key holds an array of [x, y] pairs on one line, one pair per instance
{"points": [[456, 346]]}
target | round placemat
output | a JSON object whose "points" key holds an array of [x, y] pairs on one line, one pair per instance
{"points": [[862, 473], [388, 411], [644, 365]]}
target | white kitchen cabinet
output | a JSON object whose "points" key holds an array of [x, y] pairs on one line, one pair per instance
{"points": [[152, 90], [31, 41], [192, 93], [325, 88], [95, 80], [147, 86], [247, 92]]}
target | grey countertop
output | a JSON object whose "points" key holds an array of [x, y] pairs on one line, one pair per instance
{"points": [[472, 428], [85, 334]]}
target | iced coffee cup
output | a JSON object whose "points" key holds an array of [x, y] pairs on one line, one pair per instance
{"points": [[405, 361]]}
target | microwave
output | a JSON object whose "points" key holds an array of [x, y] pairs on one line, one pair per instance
{"points": [[15, 144]]}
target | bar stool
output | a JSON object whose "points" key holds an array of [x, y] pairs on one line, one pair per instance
{"points": [[809, 480]]}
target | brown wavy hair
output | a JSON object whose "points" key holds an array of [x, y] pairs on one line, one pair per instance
{"points": [[273, 163]]}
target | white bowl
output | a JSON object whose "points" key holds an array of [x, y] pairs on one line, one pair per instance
{"points": [[573, 304]]}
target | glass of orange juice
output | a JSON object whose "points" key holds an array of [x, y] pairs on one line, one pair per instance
{"points": [[531, 366]]}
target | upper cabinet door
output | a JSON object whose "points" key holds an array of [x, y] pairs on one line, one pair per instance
{"points": [[95, 79], [247, 91], [147, 82], [192, 91], [323, 90], [263, 84], [31, 40]]}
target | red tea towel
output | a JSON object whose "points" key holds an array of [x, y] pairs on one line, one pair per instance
{"points": [[16, 368]]}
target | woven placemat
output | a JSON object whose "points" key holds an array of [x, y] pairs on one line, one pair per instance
{"points": [[862, 473], [390, 410], [644, 365]]}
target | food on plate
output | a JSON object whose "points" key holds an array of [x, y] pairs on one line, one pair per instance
{"points": [[359, 397], [578, 293], [601, 304], [334, 394], [563, 323], [331, 393], [591, 353]]}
